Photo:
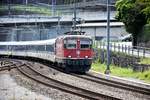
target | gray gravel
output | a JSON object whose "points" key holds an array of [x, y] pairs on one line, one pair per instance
{"points": [[9, 90], [104, 89], [53, 94]]}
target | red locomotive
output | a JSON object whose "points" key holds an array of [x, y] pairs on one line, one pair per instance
{"points": [[74, 52]]}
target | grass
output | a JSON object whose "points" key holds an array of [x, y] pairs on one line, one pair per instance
{"points": [[122, 72], [28, 8], [31, 8], [145, 61]]}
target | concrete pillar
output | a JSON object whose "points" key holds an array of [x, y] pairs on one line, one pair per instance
{"points": [[13, 35], [84, 1]]}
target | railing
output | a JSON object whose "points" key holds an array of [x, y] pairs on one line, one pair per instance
{"points": [[80, 4], [127, 48]]}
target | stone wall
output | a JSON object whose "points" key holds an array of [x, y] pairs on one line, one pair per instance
{"points": [[121, 60]]}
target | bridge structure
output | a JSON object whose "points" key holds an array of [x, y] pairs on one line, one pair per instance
{"points": [[50, 22], [64, 15], [81, 16], [83, 4]]}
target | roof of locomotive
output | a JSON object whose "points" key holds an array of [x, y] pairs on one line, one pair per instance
{"points": [[75, 36]]}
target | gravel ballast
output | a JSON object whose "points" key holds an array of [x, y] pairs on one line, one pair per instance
{"points": [[10, 90], [93, 86], [48, 93]]}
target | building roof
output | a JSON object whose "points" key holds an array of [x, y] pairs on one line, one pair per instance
{"points": [[102, 24]]}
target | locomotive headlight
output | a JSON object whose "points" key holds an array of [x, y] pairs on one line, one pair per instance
{"points": [[86, 56], [69, 56]]}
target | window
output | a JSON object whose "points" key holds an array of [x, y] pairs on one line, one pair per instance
{"points": [[70, 43], [85, 43]]}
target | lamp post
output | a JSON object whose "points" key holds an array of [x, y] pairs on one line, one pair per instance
{"points": [[107, 71]]}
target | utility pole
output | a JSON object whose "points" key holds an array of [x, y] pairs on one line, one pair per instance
{"points": [[9, 7], [58, 25], [26, 4], [74, 19], [53, 7], [107, 71]]}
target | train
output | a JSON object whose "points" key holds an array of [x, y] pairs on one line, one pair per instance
{"points": [[73, 53]]}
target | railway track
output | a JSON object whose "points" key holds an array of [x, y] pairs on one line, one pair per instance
{"points": [[7, 64], [112, 83], [28, 70], [35, 75]]}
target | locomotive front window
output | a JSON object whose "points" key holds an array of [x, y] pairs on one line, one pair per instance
{"points": [[70, 44], [85, 44]]}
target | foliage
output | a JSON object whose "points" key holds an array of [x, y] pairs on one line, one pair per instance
{"points": [[145, 34], [71, 1], [145, 61], [134, 14], [34, 9], [146, 10], [144, 76], [118, 71], [28, 8], [122, 72]]}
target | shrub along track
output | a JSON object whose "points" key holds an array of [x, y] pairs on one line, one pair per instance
{"points": [[35, 75]]}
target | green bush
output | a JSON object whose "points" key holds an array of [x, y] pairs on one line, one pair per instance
{"points": [[145, 34], [122, 72]]}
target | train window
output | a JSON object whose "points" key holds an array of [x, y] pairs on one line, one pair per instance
{"points": [[50, 48], [40, 47], [3, 47], [18, 47], [70, 44], [85, 44]]}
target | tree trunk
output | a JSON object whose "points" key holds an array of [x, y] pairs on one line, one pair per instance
{"points": [[135, 40]]}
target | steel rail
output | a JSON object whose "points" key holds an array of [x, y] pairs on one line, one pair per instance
{"points": [[43, 79], [10, 66], [115, 84]]}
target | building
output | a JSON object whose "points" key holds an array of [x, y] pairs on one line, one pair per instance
{"points": [[99, 30]]}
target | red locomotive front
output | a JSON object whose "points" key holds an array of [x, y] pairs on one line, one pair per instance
{"points": [[74, 52]]}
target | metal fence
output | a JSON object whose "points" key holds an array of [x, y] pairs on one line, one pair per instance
{"points": [[125, 47]]}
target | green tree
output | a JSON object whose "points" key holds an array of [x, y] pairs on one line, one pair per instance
{"points": [[146, 10], [145, 36], [134, 14]]}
